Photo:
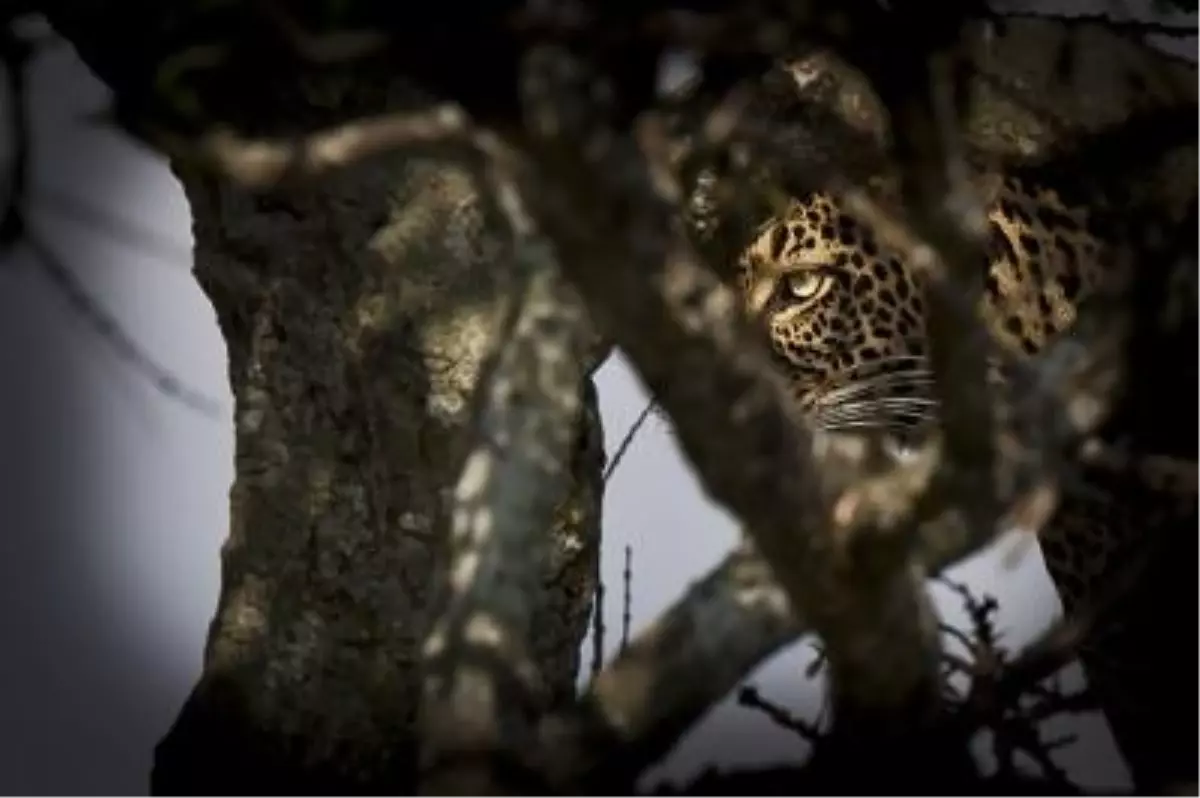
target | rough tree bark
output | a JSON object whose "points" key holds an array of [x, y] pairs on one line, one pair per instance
{"points": [[358, 310], [357, 313]]}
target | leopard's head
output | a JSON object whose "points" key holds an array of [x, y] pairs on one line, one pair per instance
{"points": [[845, 319]]}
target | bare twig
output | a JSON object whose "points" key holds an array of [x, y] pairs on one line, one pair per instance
{"points": [[749, 696], [598, 630], [627, 599], [627, 440], [999, 688], [110, 330]]}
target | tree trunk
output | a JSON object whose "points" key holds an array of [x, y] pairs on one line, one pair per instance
{"points": [[357, 313], [357, 309]]}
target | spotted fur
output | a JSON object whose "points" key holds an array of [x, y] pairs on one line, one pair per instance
{"points": [[844, 314], [867, 305]]}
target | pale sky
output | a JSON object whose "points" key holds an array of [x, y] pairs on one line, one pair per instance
{"points": [[115, 499]]}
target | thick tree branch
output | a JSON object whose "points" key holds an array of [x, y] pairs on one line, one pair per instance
{"points": [[655, 298], [671, 673], [481, 690]]}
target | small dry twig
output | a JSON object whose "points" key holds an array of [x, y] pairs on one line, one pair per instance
{"points": [[627, 440], [627, 599], [598, 629], [749, 696]]}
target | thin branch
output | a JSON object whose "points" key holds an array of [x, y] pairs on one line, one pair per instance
{"points": [[749, 696], [627, 440], [689, 657], [481, 687], [598, 630], [655, 297], [260, 163], [627, 599], [920, 86], [109, 329]]}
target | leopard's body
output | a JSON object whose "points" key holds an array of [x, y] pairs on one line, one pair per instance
{"points": [[845, 316]]}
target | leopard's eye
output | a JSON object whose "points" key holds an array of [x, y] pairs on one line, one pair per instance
{"points": [[806, 285]]}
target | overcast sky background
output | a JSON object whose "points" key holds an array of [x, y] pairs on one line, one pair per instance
{"points": [[114, 499]]}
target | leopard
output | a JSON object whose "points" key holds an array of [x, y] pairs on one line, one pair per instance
{"points": [[843, 311]]}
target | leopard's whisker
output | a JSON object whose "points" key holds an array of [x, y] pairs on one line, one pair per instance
{"points": [[870, 425], [908, 423], [913, 410], [878, 388], [882, 385], [883, 403]]}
